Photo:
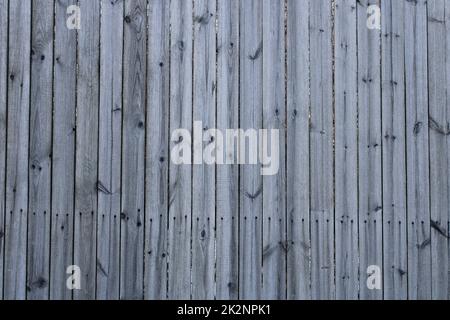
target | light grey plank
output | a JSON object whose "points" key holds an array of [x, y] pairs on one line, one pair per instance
{"points": [[365, 184], [321, 166], [298, 104], [395, 270], [19, 46], [346, 151], [250, 222], [274, 184], [86, 161], [180, 187], [203, 174], [446, 172], [439, 117], [227, 197], [133, 151], [110, 147], [3, 125], [369, 150], [39, 205], [156, 237], [417, 142], [63, 152]]}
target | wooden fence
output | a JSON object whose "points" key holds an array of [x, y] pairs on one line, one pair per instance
{"points": [[87, 179]]}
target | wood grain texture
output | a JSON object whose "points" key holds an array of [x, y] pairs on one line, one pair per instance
{"points": [[63, 152], [157, 163], [297, 171], [110, 148], [227, 185], [133, 150], [19, 53], [40, 164], [93, 122], [321, 144], [394, 158], [180, 176], [395, 262], [86, 160], [298, 110], [346, 151], [3, 124], [250, 195], [417, 151], [439, 118], [275, 244], [370, 222], [205, 142]]}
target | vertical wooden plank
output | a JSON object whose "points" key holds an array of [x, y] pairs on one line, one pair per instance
{"points": [[346, 151], [110, 148], [298, 99], [394, 157], [38, 254], [321, 166], [417, 141], [439, 156], [227, 197], [63, 153], [250, 222], [86, 174], [180, 187], [274, 184], [203, 174], [17, 149], [446, 171], [369, 150], [3, 124], [156, 241], [133, 150]]}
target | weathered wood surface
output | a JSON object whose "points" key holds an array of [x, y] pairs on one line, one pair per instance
{"points": [[250, 193], [227, 185], [89, 136], [86, 149], [3, 121], [133, 150], [321, 148], [180, 177], [394, 147], [346, 151], [110, 148], [370, 221], [417, 151], [298, 179], [63, 152], [439, 118], [17, 148], [40, 151], [274, 185], [157, 162], [205, 138]]}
